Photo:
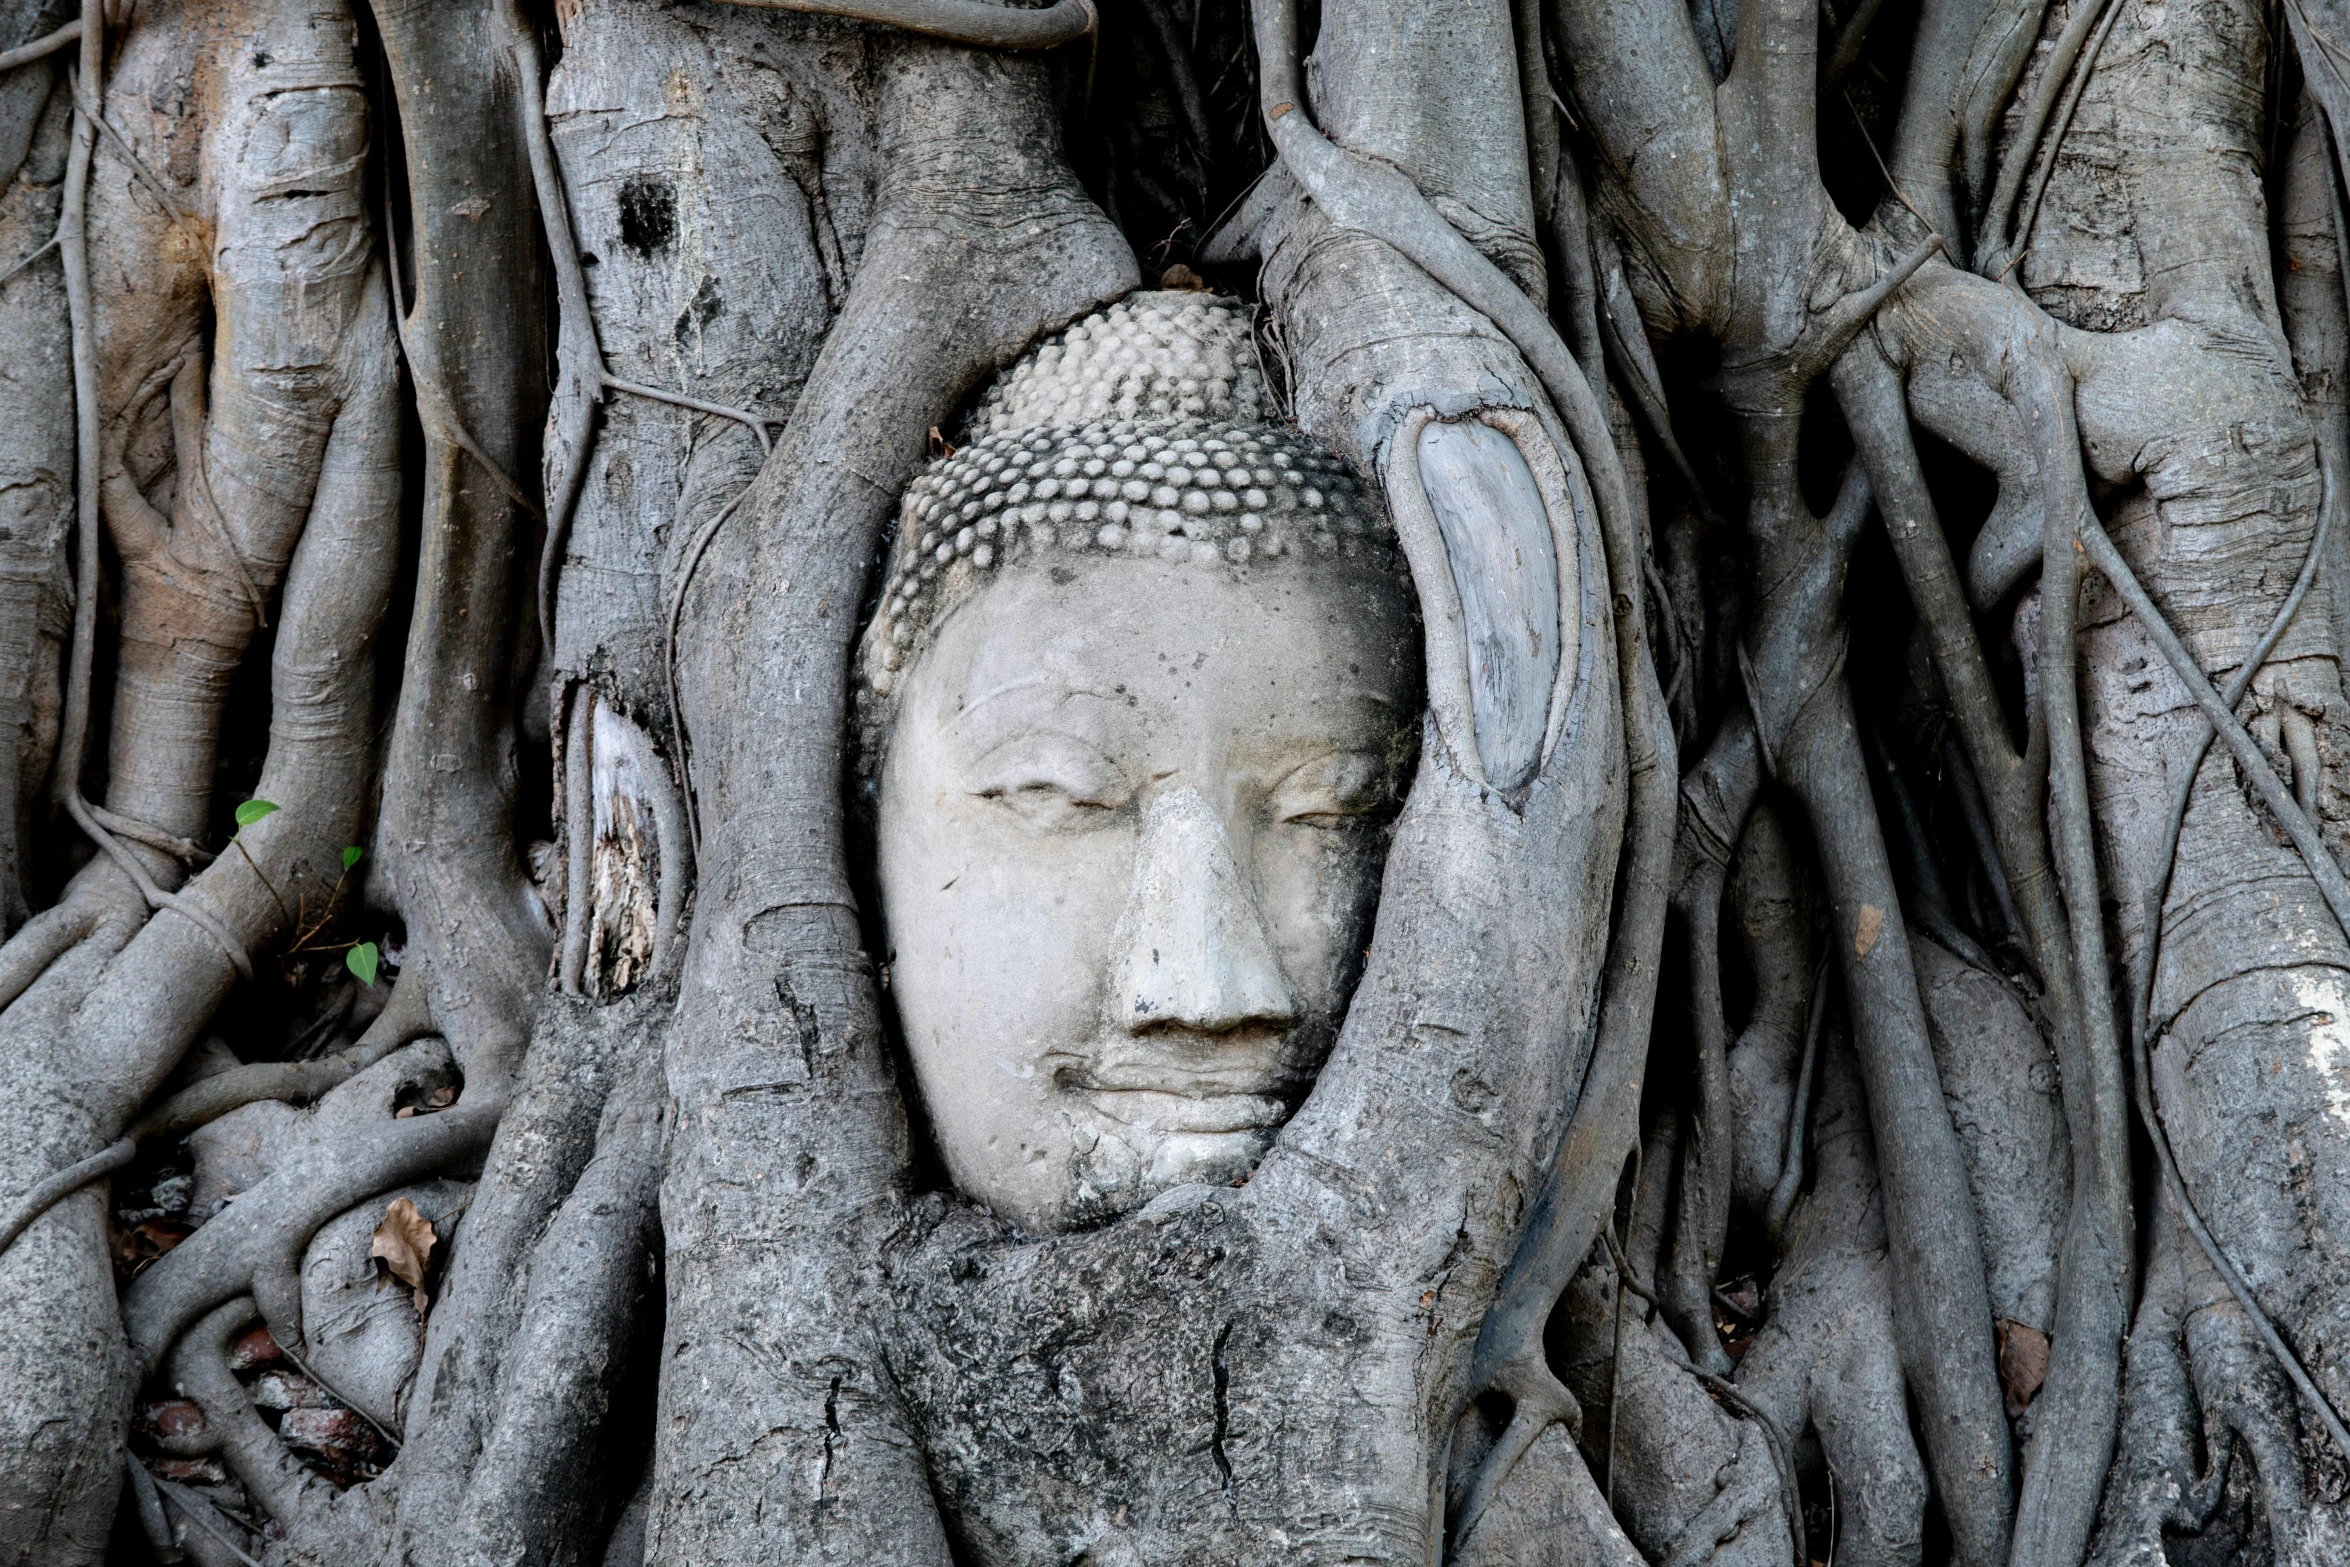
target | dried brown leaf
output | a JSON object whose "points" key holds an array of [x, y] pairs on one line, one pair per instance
{"points": [[1867, 929], [404, 1241], [2023, 1363]]}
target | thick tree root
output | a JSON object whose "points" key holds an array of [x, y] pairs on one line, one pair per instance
{"points": [[351, 1148]]}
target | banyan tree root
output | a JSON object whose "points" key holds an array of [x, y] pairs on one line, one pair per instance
{"points": [[1690, 1480], [293, 444], [1828, 1356], [775, 901], [36, 460]]}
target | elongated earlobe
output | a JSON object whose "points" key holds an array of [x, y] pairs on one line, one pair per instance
{"points": [[1505, 568]]}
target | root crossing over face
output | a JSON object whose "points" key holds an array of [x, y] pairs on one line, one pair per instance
{"points": [[1131, 825]]}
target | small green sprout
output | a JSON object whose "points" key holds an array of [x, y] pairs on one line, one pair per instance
{"points": [[361, 960]]}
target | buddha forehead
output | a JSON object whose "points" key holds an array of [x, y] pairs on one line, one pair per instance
{"points": [[1141, 434], [1164, 661]]}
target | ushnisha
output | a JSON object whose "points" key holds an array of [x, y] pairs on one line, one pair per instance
{"points": [[1141, 431]]}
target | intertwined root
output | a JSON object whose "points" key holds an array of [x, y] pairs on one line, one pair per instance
{"points": [[248, 391]]}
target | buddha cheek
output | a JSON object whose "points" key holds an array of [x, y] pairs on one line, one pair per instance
{"points": [[1000, 937]]}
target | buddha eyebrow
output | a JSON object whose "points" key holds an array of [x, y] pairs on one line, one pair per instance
{"points": [[1025, 684]]}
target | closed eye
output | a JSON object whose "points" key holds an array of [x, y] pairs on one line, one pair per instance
{"points": [[1052, 781], [1334, 791]]}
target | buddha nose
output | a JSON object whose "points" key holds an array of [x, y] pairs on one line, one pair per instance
{"points": [[1193, 951]]}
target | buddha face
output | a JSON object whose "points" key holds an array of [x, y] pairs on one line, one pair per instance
{"points": [[1131, 825]]}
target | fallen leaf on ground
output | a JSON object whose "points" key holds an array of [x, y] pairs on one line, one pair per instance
{"points": [[1867, 929], [2023, 1363], [404, 1241], [139, 1245]]}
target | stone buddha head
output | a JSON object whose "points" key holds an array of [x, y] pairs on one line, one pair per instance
{"points": [[1136, 711]]}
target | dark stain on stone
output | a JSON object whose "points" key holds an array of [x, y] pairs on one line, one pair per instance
{"points": [[648, 215]]}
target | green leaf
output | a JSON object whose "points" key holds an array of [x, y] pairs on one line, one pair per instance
{"points": [[361, 960], [351, 856], [252, 811]]}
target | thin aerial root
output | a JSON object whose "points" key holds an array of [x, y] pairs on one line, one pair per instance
{"points": [[339, 1396], [406, 1018], [1841, 322], [433, 408], [156, 897], [2273, 794], [581, 374], [1828, 334], [185, 850], [149, 1502], [757, 424], [2064, 123], [62, 1185], [1541, 1401], [42, 47], [2141, 1014], [1782, 1457], [157, 186], [579, 829], [669, 624], [73, 237], [2024, 144], [400, 1023]]}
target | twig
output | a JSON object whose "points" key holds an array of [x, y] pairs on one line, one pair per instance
{"points": [[336, 1393], [239, 841], [178, 1496], [46, 246]]}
